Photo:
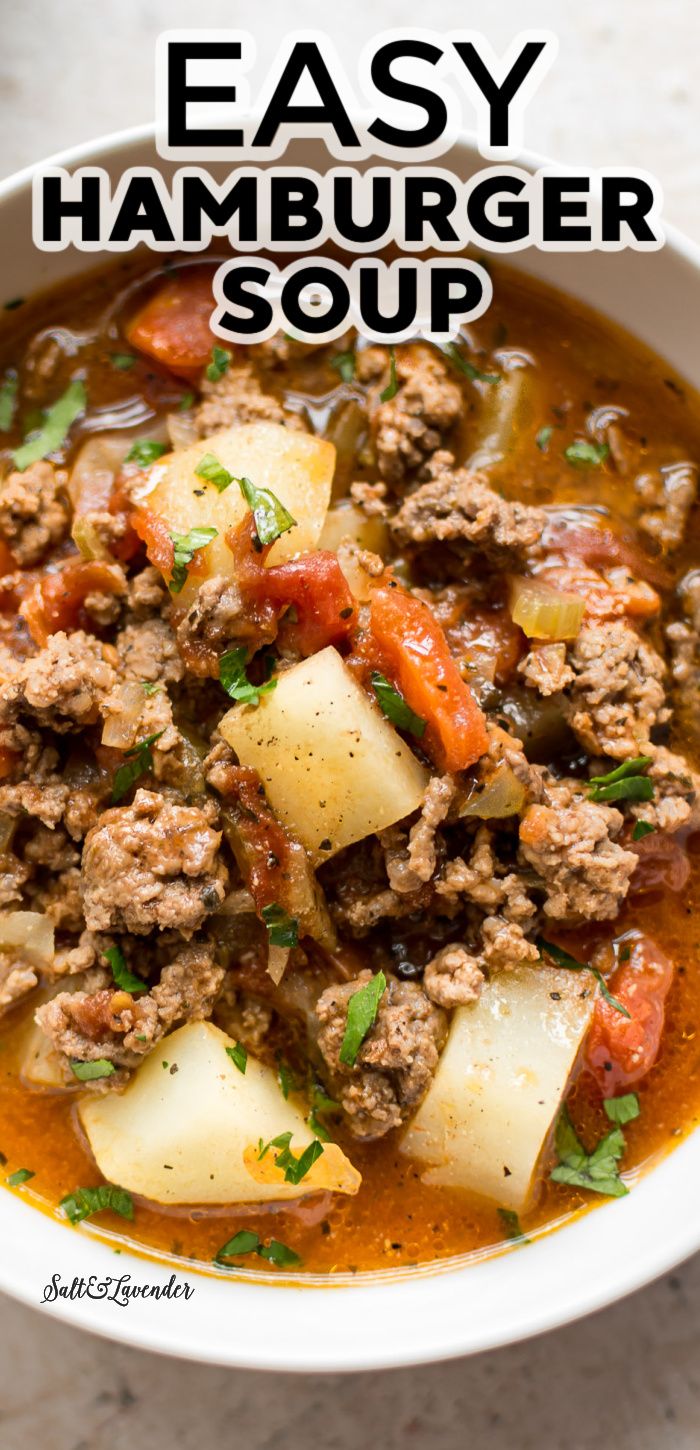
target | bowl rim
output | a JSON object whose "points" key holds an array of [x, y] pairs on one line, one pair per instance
{"points": [[287, 1339]]}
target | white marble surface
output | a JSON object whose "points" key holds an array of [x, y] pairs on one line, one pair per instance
{"points": [[626, 88]]}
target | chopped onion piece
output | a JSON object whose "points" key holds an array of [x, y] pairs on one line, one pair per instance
{"points": [[503, 796], [122, 724], [277, 963], [87, 539], [29, 933], [543, 612]]}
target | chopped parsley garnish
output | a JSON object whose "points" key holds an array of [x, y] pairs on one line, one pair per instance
{"points": [[584, 453], [123, 978], [138, 761], [626, 783], [295, 1169], [234, 680], [238, 1056], [185, 402], [20, 1176], [246, 1242], [392, 386], [463, 365], [542, 438], [394, 706], [321, 1103], [185, 547], [145, 452], [83, 1202], [283, 929], [563, 959], [270, 515], [150, 687], [220, 364], [285, 1077], [622, 1110], [597, 1171], [344, 364], [8, 400], [54, 428], [212, 471], [362, 1011], [90, 1071], [13, 304], [642, 829], [122, 361], [511, 1224]]}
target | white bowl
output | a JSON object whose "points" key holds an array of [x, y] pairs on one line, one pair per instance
{"points": [[380, 1320]]}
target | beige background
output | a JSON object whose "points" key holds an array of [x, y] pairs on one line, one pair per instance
{"points": [[626, 88]]}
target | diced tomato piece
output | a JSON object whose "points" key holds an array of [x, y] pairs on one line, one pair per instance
{"points": [[174, 327], [412, 651], [663, 864], [313, 588], [603, 548], [56, 601], [156, 535], [317, 592], [620, 1050]]}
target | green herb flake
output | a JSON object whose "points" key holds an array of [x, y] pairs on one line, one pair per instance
{"points": [[84, 1202], [362, 1011], [453, 351], [234, 680], [642, 829], [8, 401], [394, 706], [542, 438], [597, 1171], [220, 364], [295, 1169], [185, 547], [271, 517], [283, 929], [91, 1071], [150, 687], [247, 1242], [344, 364], [124, 979], [54, 429], [212, 471], [238, 1056], [122, 361], [285, 1078], [20, 1176], [185, 402], [563, 959], [392, 386], [138, 761], [279, 1254], [584, 453], [511, 1224], [244, 1242], [145, 452], [13, 304], [622, 1110], [626, 782]]}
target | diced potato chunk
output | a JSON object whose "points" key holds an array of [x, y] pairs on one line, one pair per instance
{"points": [[344, 521], [487, 1118], [192, 1135], [333, 767], [295, 466]]}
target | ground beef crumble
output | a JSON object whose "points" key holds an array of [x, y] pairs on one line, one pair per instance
{"points": [[396, 1062]]}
